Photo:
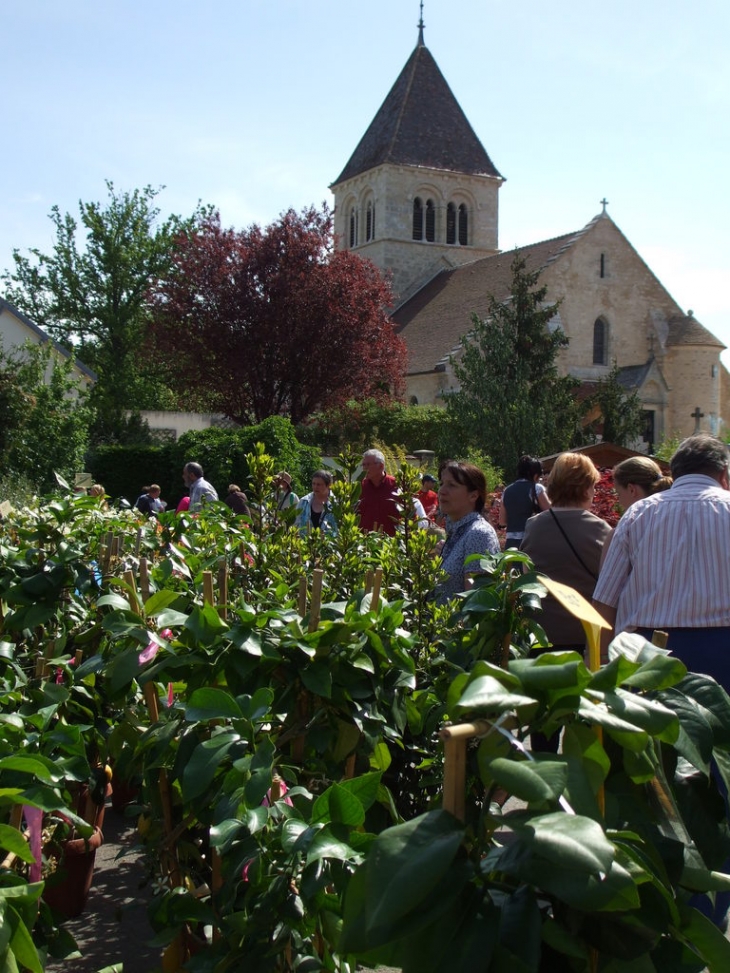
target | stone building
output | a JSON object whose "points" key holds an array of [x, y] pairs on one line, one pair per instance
{"points": [[419, 197]]}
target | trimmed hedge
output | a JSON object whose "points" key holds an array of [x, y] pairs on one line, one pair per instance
{"points": [[124, 470]]}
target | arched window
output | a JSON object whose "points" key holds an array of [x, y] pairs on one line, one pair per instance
{"points": [[451, 223], [417, 219], [600, 342], [430, 221], [463, 225], [370, 221], [353, 227]]}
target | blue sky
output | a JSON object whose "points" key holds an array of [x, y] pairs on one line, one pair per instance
{"points": [[256, 105]]}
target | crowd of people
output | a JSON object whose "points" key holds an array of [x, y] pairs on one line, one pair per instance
{"points": [[664, 567]]}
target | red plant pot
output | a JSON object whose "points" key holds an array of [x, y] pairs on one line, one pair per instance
{"points": [[67, 890]]}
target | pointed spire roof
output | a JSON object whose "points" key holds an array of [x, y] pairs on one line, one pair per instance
{"points": [[420, 123]]}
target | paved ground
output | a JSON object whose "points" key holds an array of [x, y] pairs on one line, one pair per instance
{"points": [[113, 929]]}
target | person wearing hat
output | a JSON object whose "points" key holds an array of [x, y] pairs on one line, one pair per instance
{"points": [[428, 496], [285, 496]]}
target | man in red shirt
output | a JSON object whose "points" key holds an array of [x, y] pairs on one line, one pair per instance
{"points": [[378, 498]]}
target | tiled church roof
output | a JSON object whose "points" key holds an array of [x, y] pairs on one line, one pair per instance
{"points": [[420, 123], [685, 329], [440, 312]]}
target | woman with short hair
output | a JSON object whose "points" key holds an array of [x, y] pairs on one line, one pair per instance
{"points": [[314, 511], [565, 543]]}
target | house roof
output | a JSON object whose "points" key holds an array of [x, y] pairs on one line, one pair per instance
{"points": [[439, 314], [420, 123], [43, 337]]}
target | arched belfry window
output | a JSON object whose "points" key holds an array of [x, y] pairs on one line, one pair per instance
{"points": [[463, 225], [370, 221], [451, 223], [600, 342], [430, 221], [353, 227], [417, 219]]}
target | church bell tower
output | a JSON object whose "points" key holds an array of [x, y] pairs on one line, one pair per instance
{"points": [[419, 192]]}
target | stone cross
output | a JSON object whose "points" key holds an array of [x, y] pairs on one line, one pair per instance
{"points": [[604, 204], [697, 415]]}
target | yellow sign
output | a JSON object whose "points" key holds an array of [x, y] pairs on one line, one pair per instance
{"points": [[591, 620]]}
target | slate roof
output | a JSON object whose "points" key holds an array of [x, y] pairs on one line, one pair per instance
{"points": [[632, 377], [440, 312], [420, 123]]}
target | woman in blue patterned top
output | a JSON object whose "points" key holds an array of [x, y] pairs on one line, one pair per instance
{"points": [[462, 494]]}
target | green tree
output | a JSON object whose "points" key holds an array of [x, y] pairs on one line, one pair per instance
{"points": [[620, 411], [45, 426], [92, 296], [511, 399]]}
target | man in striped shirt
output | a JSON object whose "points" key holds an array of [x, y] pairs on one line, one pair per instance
{"points": [[668, 566]]}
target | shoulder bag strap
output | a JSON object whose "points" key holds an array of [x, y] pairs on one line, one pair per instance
{"points": [[582, 562]]}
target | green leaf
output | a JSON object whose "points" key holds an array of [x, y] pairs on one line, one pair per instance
{"points": [[123, 669], [486, 693], [113, 600], [520, 933], [22, 945], [340, 805], [204, 762], [325, 845], [212, 704], [707, 939], [291, 831], [170, 618], [551, 671], [318, 679], [570, 841], [652, 716], [365, 788], [205, 624], [348, 737], [628, 735], [160, 600], [531, 781], [40, 767], [12, 840], [407, 862], [659, 672]]}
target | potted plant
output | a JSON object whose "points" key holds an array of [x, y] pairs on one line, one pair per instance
{"points": [[594, 869]]}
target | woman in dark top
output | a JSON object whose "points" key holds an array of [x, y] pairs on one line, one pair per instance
{"points": [[521, 499], [237, 500]]}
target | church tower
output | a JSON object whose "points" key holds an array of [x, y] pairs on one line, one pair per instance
{"points": [[419, 193]]}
